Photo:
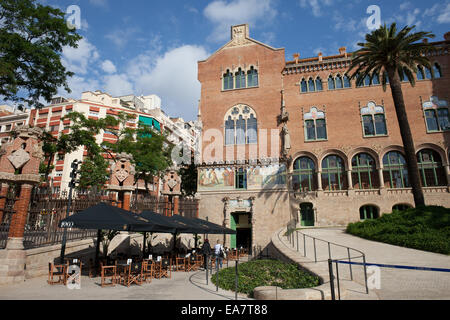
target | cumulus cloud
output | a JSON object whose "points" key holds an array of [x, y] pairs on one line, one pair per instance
{"points": [[79, 59], [315, 5], [108, 66], [225, 14], [444, 17], [118, 85]]}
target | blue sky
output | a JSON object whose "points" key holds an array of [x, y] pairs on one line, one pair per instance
{"points": [[152, 47]]}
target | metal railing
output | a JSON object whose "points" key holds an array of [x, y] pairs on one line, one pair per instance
{"points": [[295, 236]]}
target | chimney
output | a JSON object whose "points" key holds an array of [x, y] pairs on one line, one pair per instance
{"points": [[447, 36], [296, 57], [343, 50], [320, 56]]}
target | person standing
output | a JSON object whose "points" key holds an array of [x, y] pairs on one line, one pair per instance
{"points": [[206, 249], [218, 251]]}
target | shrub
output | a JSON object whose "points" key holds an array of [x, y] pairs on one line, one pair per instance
{"points": [[259, 273], [424, 228]]}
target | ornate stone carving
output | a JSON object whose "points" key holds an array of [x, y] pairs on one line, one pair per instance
{"points": [[19, 158], [121, 175]]}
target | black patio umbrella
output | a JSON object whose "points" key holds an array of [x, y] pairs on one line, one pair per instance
{"points": [[165, 220], [190, 225], [215, 228], [106, 217]]}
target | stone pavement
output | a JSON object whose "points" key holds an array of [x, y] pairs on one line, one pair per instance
{"points": [[182, 286], [394, 283]]}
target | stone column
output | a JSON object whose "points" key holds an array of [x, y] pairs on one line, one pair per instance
{"points": [[126, 200], [381, 178], [349, 180], [319, 181]]}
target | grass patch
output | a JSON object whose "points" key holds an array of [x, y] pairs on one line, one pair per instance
{"points": [[259, 273], [425, 228]]}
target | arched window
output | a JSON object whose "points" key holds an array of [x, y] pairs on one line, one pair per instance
{"points": [[375, 79], [432, 172], [333, 173], [319, 86], [436, 115], [437, 71], [304, 176], [228, 81], [229, 131], [339, 83], [364, 172], [420, 74], [240, 130], [367, 81], [252, 129], [331, 84], [311, 85], [368, 212], [304, 86], [315, 125], [428, 73], [401, 207], [347, 81], [252, 77], [240, 79], [374, 120], [241, 178], [395, 172], [241, 126]]}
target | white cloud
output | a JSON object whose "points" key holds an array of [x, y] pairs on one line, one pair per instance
{"points": [[108, 66], [99, 3], [120, 37], [118, 85], [316, 5], [172, 76], [444, 17], [225, 14], [79, 59]]}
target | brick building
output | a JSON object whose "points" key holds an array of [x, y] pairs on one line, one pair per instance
{"points": [[297, 140]]}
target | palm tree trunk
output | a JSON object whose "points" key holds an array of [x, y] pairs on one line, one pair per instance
{"points": [[408, 143]]}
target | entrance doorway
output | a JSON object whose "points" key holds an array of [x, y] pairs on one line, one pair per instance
{"points": [[307, 214], [241, 222]]}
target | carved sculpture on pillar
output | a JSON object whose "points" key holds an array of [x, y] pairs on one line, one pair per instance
{"points": [[122, 178], [19, 163], [286, 140]]}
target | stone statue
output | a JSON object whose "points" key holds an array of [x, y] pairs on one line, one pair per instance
{"points": [[286, 139]]}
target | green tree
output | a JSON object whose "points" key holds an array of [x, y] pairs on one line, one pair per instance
{"points": [[394, 55], [189, 176], [32, 37]]}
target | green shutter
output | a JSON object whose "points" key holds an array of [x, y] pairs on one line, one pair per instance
{"points": [[233, 227]]}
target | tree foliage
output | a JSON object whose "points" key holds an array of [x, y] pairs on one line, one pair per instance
{"points": [[32, 37]]}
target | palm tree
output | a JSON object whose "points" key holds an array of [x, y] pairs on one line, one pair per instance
{"points": [[395, 56]]}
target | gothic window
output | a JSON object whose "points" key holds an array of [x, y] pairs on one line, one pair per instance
{"points": [[311, 85], [315, 125], [304, 86], [437, 70], [240, 79], [347, 81], [395, 172], [241, 178], [436, 115], [364, 172], [420, 74], [427, 73], [228, 81], [432, 173], [333, 174], [319, 86], [304, 176], [331, 84], [241, 126], [375, 79], [252, 77], [339, 83], [374, 121]]}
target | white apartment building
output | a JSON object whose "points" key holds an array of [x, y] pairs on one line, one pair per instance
{"points": [[96, 105], [10, 118]]}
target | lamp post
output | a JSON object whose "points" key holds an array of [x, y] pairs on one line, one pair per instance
{"points": [[73, 176]]}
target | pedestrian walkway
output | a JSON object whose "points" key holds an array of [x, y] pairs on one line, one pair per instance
{"points": [[182, 286], [394, 283]]}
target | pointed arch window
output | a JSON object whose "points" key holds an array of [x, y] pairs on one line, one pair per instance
{"points": [[427, 73], [319, 86], [315, 125], [367, 81], [339, 83], [240, 79], [304, 86], [331, 84], [437, 71], [228, 81], [374, 120], [241, 126], [375, 79], [252, 77], [347, 81], [420, 74], [311, 85]]}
